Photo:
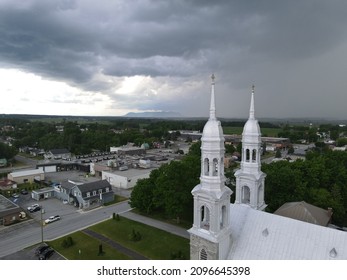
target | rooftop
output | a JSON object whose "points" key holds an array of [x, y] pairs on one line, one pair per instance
{"points": [[6, 204], [261, 235]]}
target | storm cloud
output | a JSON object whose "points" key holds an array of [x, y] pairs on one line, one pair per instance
{"points": [[293, 51]]}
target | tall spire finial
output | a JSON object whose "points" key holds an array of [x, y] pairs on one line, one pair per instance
{"points": [[251, 110], [212, 105]]}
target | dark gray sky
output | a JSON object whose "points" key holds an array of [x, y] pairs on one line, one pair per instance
{"points": [[88, 57]]}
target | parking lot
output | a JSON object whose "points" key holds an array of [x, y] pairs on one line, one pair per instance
{"points": [[29, 254], [50, 206]]}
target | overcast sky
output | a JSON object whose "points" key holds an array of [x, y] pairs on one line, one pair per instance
{"points": [[110, 57]]}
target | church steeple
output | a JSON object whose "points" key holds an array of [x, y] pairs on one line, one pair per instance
{"points": [[250, 178], [212, 149], [210, 234], [213, 102], [251, 109]]}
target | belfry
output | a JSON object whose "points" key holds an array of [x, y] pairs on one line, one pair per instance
{"points": [[249, 178], [210, 236]]}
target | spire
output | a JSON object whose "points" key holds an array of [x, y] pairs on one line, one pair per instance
{"points": [[251, 110], [212, 105]]}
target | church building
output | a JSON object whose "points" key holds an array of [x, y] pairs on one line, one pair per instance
{"points": [[242, 230]]}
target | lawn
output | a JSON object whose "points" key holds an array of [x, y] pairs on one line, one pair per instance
{"points": [[116, 199], [86, 248], [154, 244]]}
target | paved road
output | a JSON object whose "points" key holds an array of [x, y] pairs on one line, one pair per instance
{"points": [[23, 235], [20, 236]]}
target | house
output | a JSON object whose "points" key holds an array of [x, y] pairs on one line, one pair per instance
{"points": [[85, 195], [37, 152], [58, 154], [7, 185], [93, 194]]}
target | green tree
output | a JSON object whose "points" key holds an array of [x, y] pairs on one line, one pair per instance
{"points": [[142, 196], [6, 151], [341, 142]]}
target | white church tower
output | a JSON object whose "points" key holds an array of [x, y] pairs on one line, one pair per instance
{"points": [[210, 237], [249, 178]]}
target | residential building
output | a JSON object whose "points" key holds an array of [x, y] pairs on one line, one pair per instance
{"points": [[85, 195]]}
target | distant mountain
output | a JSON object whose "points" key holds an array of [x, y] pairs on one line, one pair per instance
{"points": [[163, 114]]}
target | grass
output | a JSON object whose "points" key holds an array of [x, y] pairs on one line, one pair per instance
{"points": [[86, 248], [116, 199], [184, 222], [155, 244]]}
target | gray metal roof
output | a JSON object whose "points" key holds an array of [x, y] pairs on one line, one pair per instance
{"points": [[258, 235], [7, 206], [305, 212], [94, 186]]}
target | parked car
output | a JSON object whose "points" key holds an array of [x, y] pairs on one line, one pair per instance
{"points": [[34, 208], [15, 195], [41, 249], [46, 254], [52, 219], [24, 191]]}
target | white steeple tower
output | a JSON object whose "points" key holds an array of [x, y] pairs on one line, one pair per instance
{"points": [[210, 235], [249, 178]]}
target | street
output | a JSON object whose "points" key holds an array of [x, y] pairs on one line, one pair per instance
{"points": [[20, 236]]}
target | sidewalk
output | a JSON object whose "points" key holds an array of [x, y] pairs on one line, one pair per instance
{"points": [[157, 224], [132, 254]]}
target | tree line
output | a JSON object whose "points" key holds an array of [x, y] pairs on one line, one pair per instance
{"points": [[320, 180]]}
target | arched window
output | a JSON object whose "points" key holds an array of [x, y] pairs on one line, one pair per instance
{"points": [[223, 216], [215, 167], [246, 195], [203, 255], [204, 217], [247, 155], [206, 166], [254, 155]]}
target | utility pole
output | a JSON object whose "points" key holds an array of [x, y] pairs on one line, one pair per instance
{"points": [[42, 211]]}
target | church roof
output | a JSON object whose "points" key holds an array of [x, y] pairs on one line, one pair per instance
{"points": [[259, 235], [304, 212]]}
